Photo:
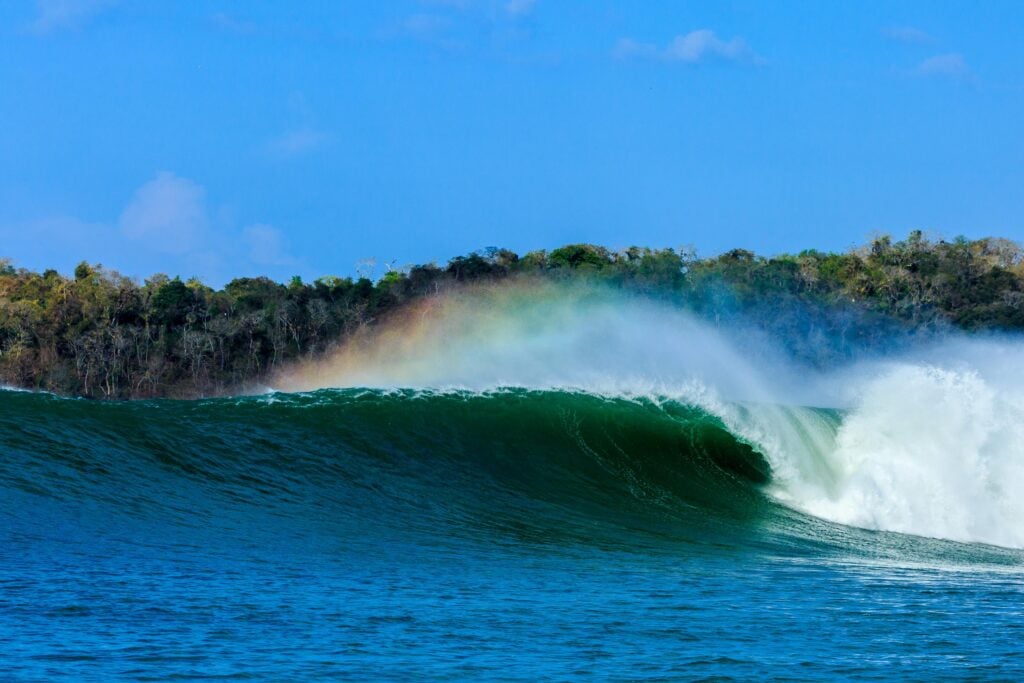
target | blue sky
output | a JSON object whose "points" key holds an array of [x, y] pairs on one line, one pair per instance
{"points": [[221, 139]]}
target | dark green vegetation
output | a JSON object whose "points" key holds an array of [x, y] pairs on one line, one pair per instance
{"points": [[101, 334]]}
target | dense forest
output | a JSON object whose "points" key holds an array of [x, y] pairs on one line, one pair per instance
{"points": [[100, 334]]}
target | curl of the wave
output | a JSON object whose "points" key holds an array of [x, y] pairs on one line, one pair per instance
{"points": [[931, 443]]}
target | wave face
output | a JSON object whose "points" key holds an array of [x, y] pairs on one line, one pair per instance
{"points": [[561, 466], [505, 466]]}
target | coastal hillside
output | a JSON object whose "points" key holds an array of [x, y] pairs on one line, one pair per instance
{"points": [[100, 334]]}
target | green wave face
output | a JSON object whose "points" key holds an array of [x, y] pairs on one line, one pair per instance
{"points": [[510, 467]]}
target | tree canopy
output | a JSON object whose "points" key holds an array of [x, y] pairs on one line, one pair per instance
{"points": [[100, 334]]}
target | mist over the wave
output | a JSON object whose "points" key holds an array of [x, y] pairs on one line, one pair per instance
{"points": [[926, 440], [545, 336]]}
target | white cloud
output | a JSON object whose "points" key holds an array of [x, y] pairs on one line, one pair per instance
{"points": [[906, 34], [519, 8], [167, 214], [54, 15], [435, 30], [951, 66], [165, 227], [301, 136], [296, 142], [267, 246], [696, 47], [467, 26]]}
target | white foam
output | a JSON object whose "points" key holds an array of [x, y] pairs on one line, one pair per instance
{"points": [[929, 451], [930, 444]]}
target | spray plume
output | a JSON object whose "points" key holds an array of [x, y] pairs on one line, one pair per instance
{"points": [[928, 443]]}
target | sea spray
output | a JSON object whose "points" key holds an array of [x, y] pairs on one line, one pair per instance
{"points": [[547, 336], [929, 447], [932, 452]]}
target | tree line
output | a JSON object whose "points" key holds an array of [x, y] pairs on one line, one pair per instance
{"points": [[101, 334]]}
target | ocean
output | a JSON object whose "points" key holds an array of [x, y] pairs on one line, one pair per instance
{"points": [[511, 534]]}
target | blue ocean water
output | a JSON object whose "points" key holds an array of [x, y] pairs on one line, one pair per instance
{"points": [[391, 535]]}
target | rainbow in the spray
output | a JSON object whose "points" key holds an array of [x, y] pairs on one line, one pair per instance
{"points": [[538, 335]]}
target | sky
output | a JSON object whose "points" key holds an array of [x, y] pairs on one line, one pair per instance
{"points": [[220, 139]]}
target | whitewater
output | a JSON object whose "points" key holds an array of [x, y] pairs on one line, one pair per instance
{"points": [[926, 441]]}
